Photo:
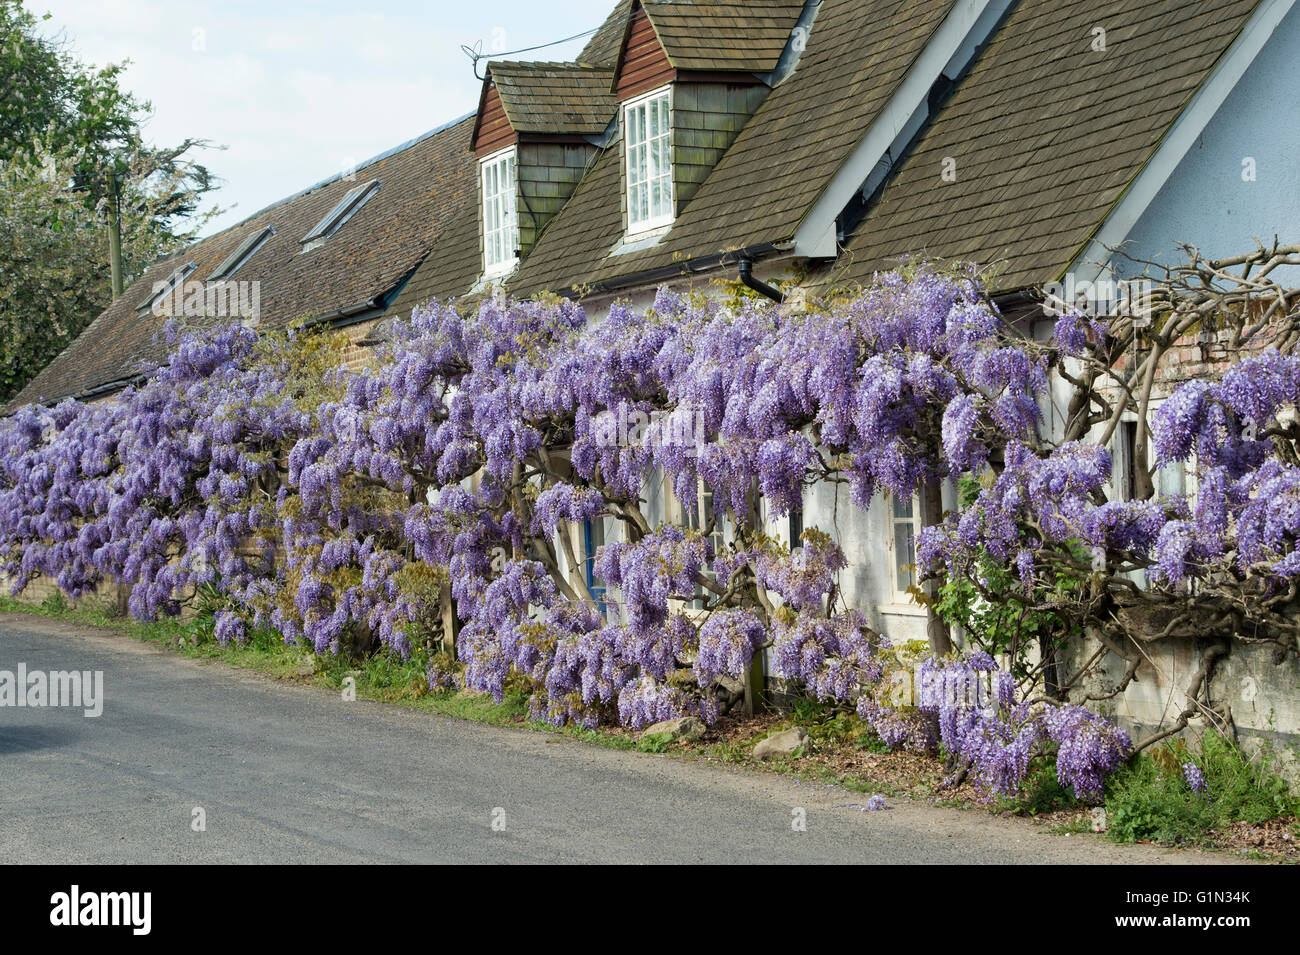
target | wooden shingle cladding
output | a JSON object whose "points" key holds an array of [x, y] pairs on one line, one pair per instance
{"points": [[643, 65], [553, 99], [603, 47], [546, 174], [706, 119], [492, 129], [1045, 135], [669, 40], [724, 35]]}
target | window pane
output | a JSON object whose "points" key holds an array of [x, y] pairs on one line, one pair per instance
{"points": [[904, 554], [902, 506], [649, 161], [500, 226]]}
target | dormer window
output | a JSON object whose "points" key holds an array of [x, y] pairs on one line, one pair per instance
{"points": [[346, 208], [647, 127], [500, 222]]}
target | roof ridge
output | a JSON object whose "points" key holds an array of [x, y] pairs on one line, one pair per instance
{"points": [[549, 65], [386, 154]]}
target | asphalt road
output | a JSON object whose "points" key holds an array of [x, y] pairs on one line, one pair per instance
{"points": [[287, 773]]}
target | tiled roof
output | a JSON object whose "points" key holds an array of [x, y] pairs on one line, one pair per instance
{"points": [[424, 185], [1046, 133], [555, 98], [774, 171], [602, 49], [450, 269], [745, 35]]}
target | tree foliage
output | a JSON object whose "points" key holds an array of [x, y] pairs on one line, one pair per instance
{"points": [[70, 145]]}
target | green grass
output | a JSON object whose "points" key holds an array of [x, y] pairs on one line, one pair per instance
{"points": [[1072, 827], [1151, 800], [731, 751], [384, 677]]}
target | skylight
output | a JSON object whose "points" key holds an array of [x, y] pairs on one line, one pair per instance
{"points": [[341, 213], [166, 286], [242, 254]]}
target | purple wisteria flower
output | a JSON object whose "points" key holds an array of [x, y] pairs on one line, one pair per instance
{"points": [[349, 507], [1194, 776]]}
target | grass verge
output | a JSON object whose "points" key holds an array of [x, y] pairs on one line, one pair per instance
{"points": [[1246, 805]]}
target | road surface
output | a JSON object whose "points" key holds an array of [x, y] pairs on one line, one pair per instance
{"points": [[287, 773]]}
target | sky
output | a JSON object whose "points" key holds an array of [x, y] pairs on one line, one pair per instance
{"points": [[299, 92]]}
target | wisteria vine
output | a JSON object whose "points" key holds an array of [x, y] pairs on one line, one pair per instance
{"points": [[440, 491]]}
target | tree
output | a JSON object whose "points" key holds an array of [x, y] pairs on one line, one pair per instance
{"points": [[72, 152]]}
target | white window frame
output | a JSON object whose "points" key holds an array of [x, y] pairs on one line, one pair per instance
{"points": [[246, 250], [900, 596], [500, 215], [640, 105], [166, 288]]}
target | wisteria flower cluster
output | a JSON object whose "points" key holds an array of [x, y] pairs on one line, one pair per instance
{"points": [[1195, 777], [995, 735], [456, 470]]}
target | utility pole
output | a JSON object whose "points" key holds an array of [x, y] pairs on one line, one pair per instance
{"points": [[115, 234]]}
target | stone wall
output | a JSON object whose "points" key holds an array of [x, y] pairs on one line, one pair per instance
{"points": [[1264, 696]]}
